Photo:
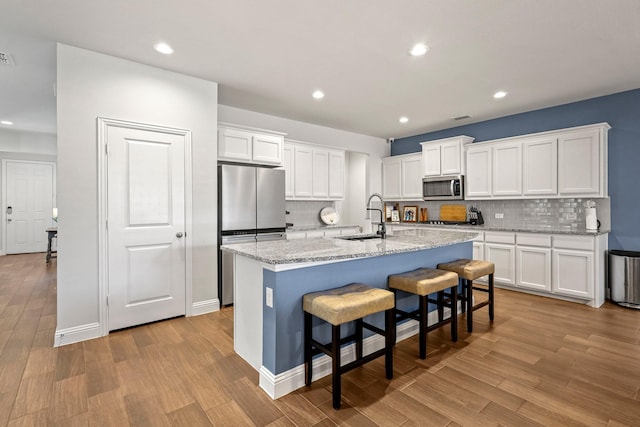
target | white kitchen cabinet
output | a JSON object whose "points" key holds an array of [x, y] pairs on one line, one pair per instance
{"points": [[478, 178], [336, 174], [540, 166], [574, 265], [247, 145], [302, 171], [402, 177], [582, 163], [533, 267], [313, 172], [287, 163], [499, 248], [562, 163], [444, 156], [573, 273], [478, 245], [392, 178], [506, 170], [320, 181], [412, 177]]}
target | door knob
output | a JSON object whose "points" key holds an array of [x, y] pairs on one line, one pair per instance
{"points": [[8, 219], [179, 234]]}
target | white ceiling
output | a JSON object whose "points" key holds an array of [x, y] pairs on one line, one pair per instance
{"points": [[268, 56]]}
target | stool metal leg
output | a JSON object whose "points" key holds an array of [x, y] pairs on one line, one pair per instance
{"points": [[359, 337], [469, 296], [307, 348], [335, 349], [491, 297], [390, 339], [440, 306], [422, 333], [454, 314]]}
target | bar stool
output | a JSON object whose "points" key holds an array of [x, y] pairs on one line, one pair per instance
{"points": [[470, 270], [423, 282], [341, 305]]}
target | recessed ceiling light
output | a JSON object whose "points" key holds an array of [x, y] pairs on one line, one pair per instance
{"points": [[500, 94], [403, 119], [419, 49], [318, 94], [164, 48], [6, 122]]}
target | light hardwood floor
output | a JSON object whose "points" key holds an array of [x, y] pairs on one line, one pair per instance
{"points": [[542, 362]]}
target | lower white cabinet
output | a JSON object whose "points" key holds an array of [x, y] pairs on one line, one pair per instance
{"points": [[533, 266], [503, 256], [533, 261], [569, 266], [573, 273]]}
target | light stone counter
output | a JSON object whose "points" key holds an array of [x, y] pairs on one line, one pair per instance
{"points": [[524, 228], [324, 249]]}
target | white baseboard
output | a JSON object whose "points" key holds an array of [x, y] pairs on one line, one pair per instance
{"points": [[204, 307], [77, 334], [277, 386]]}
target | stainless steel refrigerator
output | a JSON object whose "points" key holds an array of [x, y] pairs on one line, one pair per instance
{"points": [[251, 208]]}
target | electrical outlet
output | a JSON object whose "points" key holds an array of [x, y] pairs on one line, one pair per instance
{"points": [[269, 297], [499, 215]]}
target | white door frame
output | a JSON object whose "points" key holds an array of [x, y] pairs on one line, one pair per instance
{"points": [[103, 241], [3, 214]]}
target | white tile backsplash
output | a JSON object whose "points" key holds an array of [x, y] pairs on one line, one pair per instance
{"points": [[307, 213]]}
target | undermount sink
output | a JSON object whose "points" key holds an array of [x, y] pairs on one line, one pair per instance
{"points": [[365, 237]]}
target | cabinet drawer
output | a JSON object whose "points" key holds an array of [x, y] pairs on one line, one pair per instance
{"points": [[543, 240], [495, 237], [574, 242]]}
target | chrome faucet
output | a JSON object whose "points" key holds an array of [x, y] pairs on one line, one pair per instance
{"points": [[382, 228]]}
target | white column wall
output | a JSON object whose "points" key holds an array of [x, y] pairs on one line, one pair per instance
{"points": [[92, 85]]}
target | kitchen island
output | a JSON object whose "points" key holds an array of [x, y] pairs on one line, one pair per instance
{"points": [[271, 278]]}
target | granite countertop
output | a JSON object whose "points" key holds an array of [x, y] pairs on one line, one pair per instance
{"points": [[335, 248], [318, 227], [531, 228]]}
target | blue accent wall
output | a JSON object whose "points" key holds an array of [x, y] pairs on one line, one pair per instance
{"points": [[282, 327], [621, 111]]}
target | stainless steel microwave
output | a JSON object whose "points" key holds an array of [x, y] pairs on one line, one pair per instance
{"points": [[450, 187]]}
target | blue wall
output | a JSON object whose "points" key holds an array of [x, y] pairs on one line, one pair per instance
{"points": [[621, 111]]}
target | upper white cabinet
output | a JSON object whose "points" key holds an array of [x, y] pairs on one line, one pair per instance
{"points": [[336, 174], [563, 163], [248, 145], [540, 168], [478, 177], [313, 172], [402, 177], [392, 178], [582, 160], [443, 156], [507, 170]]}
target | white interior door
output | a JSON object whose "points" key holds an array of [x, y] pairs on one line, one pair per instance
{"points": [[28, 205], [146, 225]]}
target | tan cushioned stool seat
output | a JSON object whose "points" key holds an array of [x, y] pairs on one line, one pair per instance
{"points": [[347, 303], [469, 269], [423, 281]]}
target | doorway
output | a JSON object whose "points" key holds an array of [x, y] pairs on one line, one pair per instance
{"points": [[145, 261], [28, 198]]}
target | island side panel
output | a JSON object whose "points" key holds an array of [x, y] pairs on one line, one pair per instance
{"points": [[247, 310], [283, 323]]}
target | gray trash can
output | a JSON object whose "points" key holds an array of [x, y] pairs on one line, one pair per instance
{"points": [[624, 278]]}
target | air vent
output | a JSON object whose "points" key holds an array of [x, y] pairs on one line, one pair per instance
{"points": [[5, 59], [466, 116]]}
